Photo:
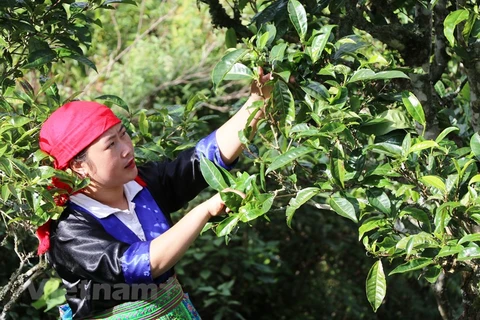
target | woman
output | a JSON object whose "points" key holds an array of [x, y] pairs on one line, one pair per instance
{"points": [[115, 239]]}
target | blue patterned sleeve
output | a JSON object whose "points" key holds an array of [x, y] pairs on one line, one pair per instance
{"points": [[136, 263], [209, 148]]}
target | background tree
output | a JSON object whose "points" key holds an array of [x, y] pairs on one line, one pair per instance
{"points": [[339, 134]]}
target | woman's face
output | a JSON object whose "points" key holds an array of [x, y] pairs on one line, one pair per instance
{"points": [[110, 159]]}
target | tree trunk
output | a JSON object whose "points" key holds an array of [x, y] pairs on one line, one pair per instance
{"points": [[472, 66], [470, 295], [440, 294]]}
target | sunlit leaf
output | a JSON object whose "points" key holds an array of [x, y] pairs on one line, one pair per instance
{"points": [[406, 145], [194, 101], [143, 123], [109, 98], [371, 224], [376, 285], [416, 241], [379, 200], [433, 181], [469, 253], [444, 133], [284, 102], [470, 238], [26, 134], [449, 250], [22, 167], [262, 40], [423, 145], [337, 164], [288, 157], [51, 285], [338, 171], [414, 264], [392, 74], [451, 21], [316, 90], [278, 52], [212, 174], [301, 198], [443, 217], [414, 107], [232, 200], [39, 304], [298, 16], [5, 192], [389, 149], [346, 207], [475, 145], [19, 121], [224, 66], [362, 75], [368, 74], [226, 226], [474, 179], [239, 71], [319, 42]]}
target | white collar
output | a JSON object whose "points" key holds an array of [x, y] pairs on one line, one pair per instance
{"points": [[98, 209]]}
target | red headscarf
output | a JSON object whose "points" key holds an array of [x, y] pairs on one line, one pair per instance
{"points": [[69, 130], [72, 128]]}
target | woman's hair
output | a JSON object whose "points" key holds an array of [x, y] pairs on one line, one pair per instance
{"points": [[81, 156]]}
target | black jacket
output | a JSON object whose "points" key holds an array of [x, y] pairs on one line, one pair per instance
{"points": [[84, 254]]}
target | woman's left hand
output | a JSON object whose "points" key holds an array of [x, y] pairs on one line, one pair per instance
{"points": [[259, 87]]}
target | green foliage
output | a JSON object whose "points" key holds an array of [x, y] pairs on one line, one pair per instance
{"points": [[340, 134], [451, 22], [37, 35], [52, 295]]}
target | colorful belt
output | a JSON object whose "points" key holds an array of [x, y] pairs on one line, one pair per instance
{"points": [[168, 302]]}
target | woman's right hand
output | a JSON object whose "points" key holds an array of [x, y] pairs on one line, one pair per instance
{"points": [[216, 206], [259, 87]]}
